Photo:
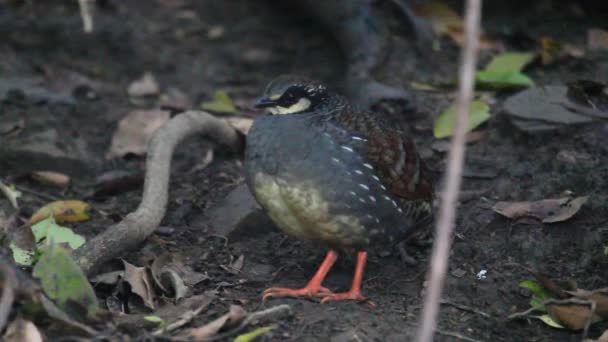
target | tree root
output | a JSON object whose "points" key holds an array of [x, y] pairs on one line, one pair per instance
{"points": [[124, 236]]}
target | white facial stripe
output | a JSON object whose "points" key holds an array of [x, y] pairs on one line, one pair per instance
{"points": [[297, 107]]}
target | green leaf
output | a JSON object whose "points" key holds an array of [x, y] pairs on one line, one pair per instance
{"points": [[537, 304], [502, 79], [444, 125], [221, 103], [504, 71], [63, 281], [252, 335], [21, 256], [510, 61], [537, 289], [155, 319], [549, 321], [51, 231]]}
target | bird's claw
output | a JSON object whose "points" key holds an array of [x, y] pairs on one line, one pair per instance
{"points": [[311, 292], [350, 295]]}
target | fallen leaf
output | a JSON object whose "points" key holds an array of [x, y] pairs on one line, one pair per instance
{"points": [[135, 130], [541, 109], [572, 316], [50, 232], [252, 335], [551, 50], [140, 282], [109, 278], [63, 280], [590, 94], [504, 71], [548, 320], [221, 103], [235, 315], [117, 181], [21, 330], [145, 86], [51, 178], [444, 124], [63, 211], [539, 294], [21, 256], [548, 210], [597, 39], [175, 99], [241, 124], [446, 21], [11, 194], [600, 297]]}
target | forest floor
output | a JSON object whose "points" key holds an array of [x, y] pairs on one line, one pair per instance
{"points": [[238, 46]]}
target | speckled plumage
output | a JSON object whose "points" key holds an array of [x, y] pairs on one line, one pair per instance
{"points": [[336, 175]]}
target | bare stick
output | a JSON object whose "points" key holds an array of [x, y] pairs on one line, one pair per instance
{"points": [[8, 293], [124, 236], [445, 221], [86, 14]]}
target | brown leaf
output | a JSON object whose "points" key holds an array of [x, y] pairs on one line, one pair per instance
{"points": [[117, 181], [235, 315], [51, 178], [600, 297], [572, 316], [145, 86], [135, 130], [548, 210], [141, 284]]}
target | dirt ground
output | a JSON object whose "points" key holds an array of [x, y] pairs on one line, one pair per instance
{"points": [[262, 39]]}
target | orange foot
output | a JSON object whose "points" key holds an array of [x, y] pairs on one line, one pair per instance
{"points": [[350, 295], [307, 291]]}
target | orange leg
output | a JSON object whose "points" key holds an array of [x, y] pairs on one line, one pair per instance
{"points": [[313, 288], [355, 289]]}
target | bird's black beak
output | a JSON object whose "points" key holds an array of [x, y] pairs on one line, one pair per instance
{"points": [[264, 102]]}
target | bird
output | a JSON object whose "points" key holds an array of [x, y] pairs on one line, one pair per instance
{"points": [[326, 171]]}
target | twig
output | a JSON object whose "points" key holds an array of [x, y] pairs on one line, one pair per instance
{"points": [[591, 303], [124, 236], [86, 13], [37, 193], [465, 308], [8, 293], [445, 221], [274, 312], [185, 318], [456, 335], [9, 195]]}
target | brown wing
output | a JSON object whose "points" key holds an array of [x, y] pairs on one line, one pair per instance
{"points": [[394, 156]]}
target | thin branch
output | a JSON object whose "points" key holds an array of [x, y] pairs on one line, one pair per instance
{"points": [[447, 213], [86, 13], [127, 234]]}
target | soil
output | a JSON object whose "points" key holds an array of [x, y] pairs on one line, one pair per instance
{"points": [[263, 39]]}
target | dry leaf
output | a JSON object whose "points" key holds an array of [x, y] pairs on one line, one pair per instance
{"points": [[548, 210], [241, 124], [145, 86], [63, 211], [600, 297], [572, 316], [446, 21], [51, 178], [140, 282], [135, 130], [235, 315]]}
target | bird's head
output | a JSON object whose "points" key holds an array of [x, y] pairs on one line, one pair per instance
{"points": [[292, 94]]}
